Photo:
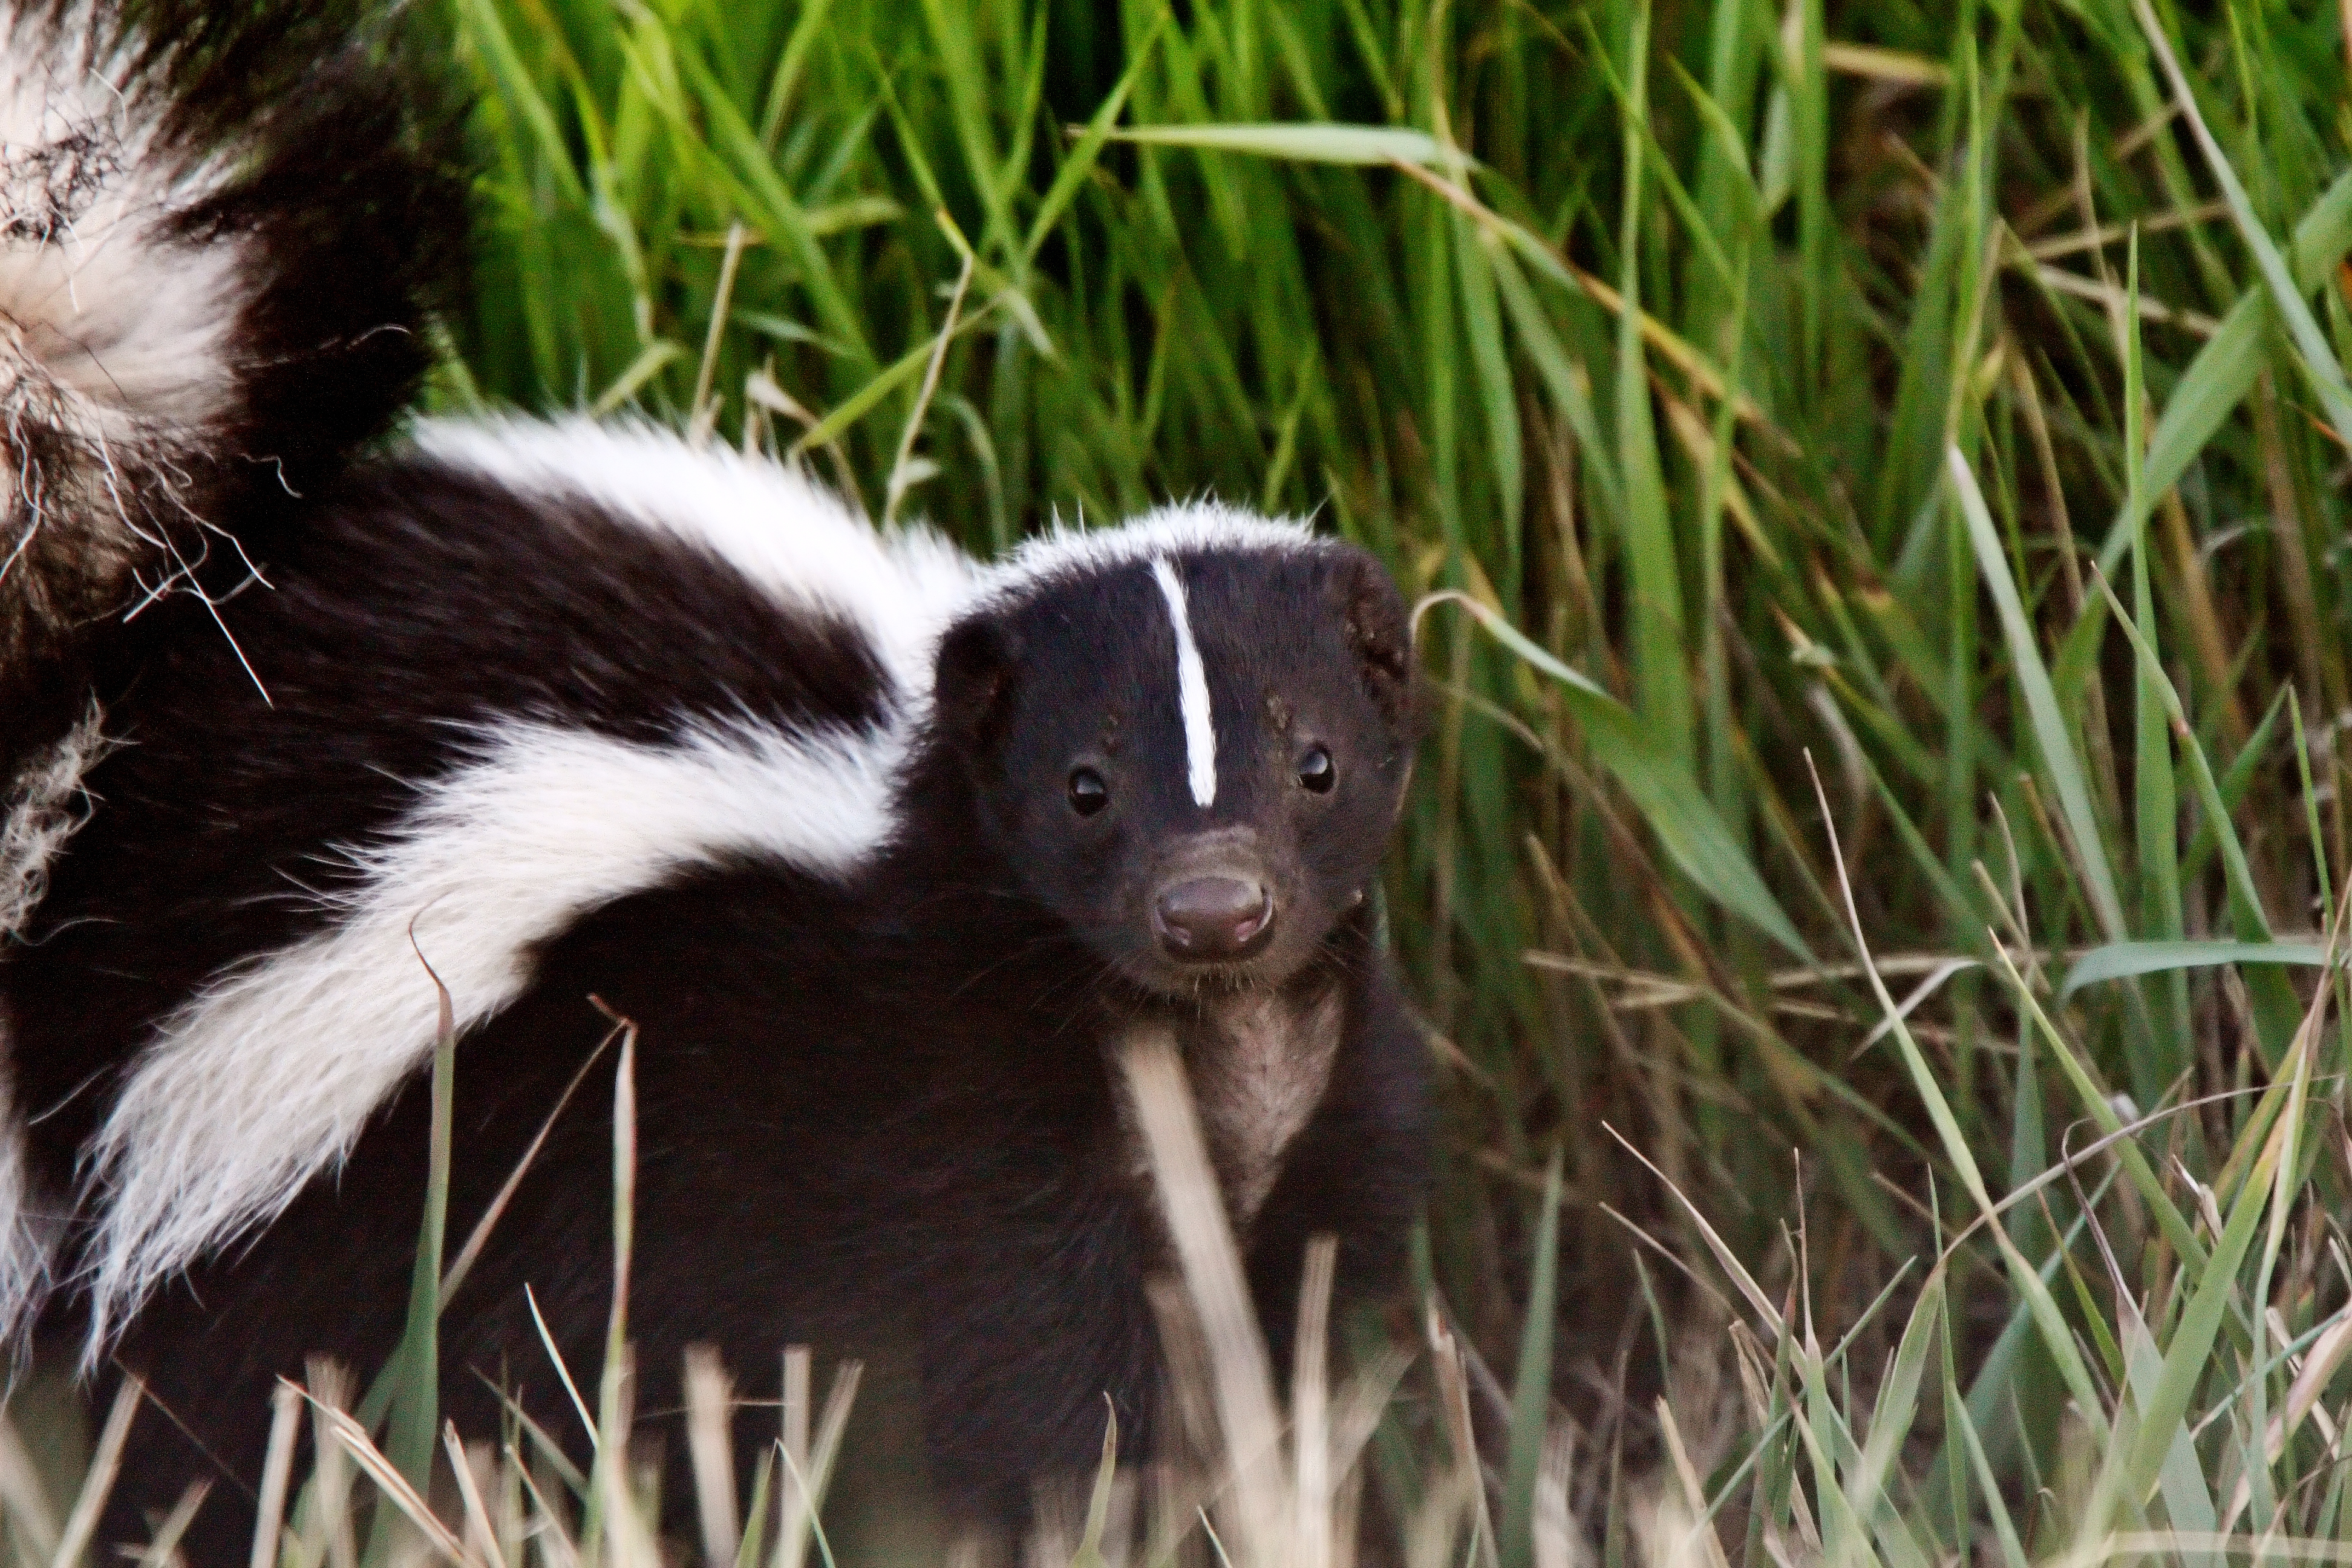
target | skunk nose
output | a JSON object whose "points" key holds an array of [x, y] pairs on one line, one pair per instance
{"points": [[1208, 920]]}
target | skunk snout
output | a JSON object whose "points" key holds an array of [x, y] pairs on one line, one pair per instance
{"points": [[1213, 920]]}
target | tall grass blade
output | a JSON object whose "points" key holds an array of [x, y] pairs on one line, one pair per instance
{"points": [[413, 1382], [2124, 960], [2051, 734], [2317, 358], [277, 1473], [1344, 145], [1532, 1393], [1194, 1205]]}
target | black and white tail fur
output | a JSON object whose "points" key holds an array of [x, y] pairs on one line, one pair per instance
{"points": [[886, 853], [220, 229]]}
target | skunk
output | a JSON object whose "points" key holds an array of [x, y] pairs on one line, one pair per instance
{"points": [[883, 852]]}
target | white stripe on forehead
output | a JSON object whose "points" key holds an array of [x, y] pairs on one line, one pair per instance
{"points": [[1192, 687], [1193, 526]]}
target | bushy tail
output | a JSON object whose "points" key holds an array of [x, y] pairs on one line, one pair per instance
{"points": [[221, 232]]}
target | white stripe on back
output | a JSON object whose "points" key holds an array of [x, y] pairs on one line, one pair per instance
{"points": [[777, 530], [267, 1075], [1192, 687]]}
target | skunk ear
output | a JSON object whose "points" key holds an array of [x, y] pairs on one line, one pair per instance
{"points": [[1379, 633], [972, 685]]}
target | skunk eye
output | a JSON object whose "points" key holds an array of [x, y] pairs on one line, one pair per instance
{"points": [[1088, 794], [1316, 771]]}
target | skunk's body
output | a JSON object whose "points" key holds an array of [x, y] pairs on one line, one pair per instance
{"points": [[886, 855]]}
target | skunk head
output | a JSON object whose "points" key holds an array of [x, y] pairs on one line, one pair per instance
{"points": [[1188, 739]]}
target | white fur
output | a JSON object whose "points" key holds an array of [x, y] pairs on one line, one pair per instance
{"points": [[1184, 529], [45, 808], [268, 1077], [785, 534], [1191, 689], [1259, 1077], [27, 1242], [112, 329]]}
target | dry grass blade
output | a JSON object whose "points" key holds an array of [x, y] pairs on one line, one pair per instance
{"points": [[555, 1356], [799, 1368], [2327, 1353], [555, 1543], [165, 1549], [1310, 1408], [2108, 234], [627, 1534], [351, 1438], [710, 1409], [1110, 1511], [482, 1535], [82, 1523], [501, 1490], [1728, 1260], [454, 1275], [614, 1386], [805, 1479], [2059, 280], [904, 471], [1429, 1535], [276, 1472], [330, 1389], [1893, 67], [1702, 1540], [1357, 1414], [1468, 1491], [1195, 1211], [706, 408], [1557, 1534], [1184, 1482]]}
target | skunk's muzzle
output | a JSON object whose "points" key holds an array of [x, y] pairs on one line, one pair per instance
{"points": [[1213, 920]]}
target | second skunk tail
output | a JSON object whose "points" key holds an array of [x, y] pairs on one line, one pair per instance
{"points": [[222, 230]]}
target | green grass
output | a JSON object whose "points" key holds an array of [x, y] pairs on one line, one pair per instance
{"points": [[1951, 399]]}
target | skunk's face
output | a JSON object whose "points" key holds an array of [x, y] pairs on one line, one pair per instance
{"points": [[1194, 759]]}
